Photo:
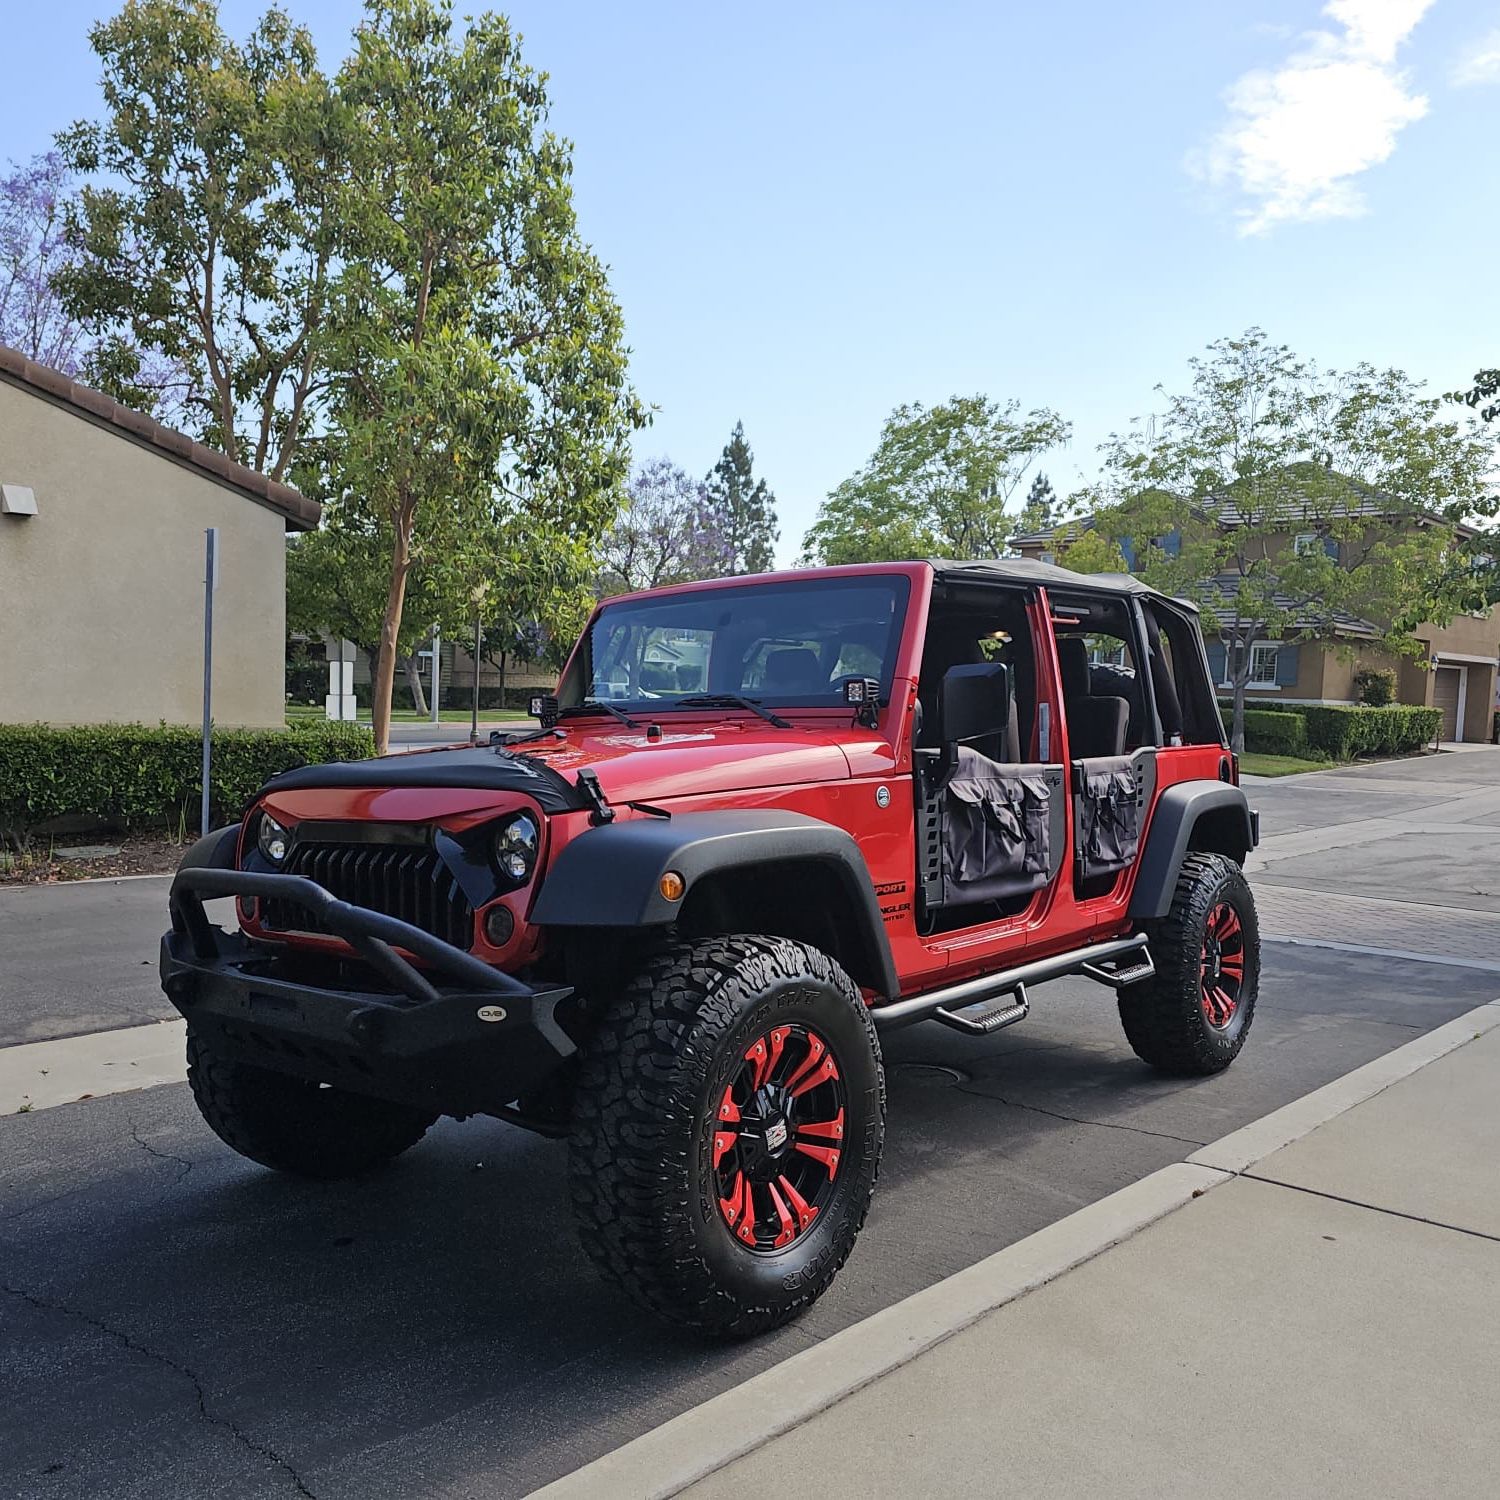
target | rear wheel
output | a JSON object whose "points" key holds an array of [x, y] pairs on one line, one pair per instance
{"points": [[727, 1132], [1193, 1016], [291, 1125]]}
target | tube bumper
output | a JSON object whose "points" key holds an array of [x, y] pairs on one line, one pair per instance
{"points": [[455, 1036]]}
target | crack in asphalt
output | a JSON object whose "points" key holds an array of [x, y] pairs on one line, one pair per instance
{"points": [[184, 1166], [1053, 1114], [127, 1341]]}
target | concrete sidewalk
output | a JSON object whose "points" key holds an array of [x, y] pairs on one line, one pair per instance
{"points": [[1315, 1317]]}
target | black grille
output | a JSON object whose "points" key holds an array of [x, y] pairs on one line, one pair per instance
{"points": [[405, 881]]}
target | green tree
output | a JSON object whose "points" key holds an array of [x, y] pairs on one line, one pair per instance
{"points": [[1482, 394], [524, 588], [1089, 550], [740, 509], [475, 345], [204, 244], [1040, 512], [336, 581], [1264, 447], [939, 484]]}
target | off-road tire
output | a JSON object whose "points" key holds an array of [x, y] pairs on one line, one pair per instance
{"points": [[1164, 1017], [295, 1126], [641, 1158]]}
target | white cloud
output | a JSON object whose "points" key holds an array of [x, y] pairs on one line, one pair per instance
{"points": [[1300, 134], [1480, 61]]}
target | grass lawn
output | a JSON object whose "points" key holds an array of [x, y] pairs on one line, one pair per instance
{"points": [[1254, 764], [302, 713]]}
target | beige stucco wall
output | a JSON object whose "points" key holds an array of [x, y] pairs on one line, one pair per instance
{"points": [[101, 591]]}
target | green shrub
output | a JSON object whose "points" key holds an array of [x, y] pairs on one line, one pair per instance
{"points": [[1376, 686], [1271, 732], [1357, 730], [130, 775]]}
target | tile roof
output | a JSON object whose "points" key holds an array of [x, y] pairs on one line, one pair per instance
{"points": [[1217, 595], [301, 513]]}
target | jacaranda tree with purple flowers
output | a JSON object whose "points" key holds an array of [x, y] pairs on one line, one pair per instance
{"points": [[33, 249], [667, 532]]}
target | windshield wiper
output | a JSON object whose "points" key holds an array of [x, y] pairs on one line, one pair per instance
{"points": [[597, 705], [501, 741], [732, 700]]}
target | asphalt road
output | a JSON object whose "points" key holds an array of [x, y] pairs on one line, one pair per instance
{"points": [[82, 956], [174, 1320]]}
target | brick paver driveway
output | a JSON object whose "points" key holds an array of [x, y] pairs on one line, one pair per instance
{"points": [[1393, 858]]}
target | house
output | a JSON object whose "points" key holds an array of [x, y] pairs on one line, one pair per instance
{"points": [[102, 520], [1458, 674]]}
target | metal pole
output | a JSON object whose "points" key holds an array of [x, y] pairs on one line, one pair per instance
{"points": [[474, 711], [437, 651], [210, 579]]}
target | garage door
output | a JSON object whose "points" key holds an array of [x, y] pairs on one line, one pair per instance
{"points": [[1445, 699]]}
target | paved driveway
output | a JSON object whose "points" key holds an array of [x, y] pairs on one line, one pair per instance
{"points": [[175, 1321]]}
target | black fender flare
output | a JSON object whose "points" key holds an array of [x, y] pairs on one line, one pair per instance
{"points": [[611, 875], [1175, 815], [214, 851]]}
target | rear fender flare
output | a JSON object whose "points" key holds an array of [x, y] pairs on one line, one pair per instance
{"points": [[1218, 809], [611, 876]]}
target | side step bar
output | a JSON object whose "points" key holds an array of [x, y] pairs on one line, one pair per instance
{"points": [[1090, 960], [1005, 1011]]}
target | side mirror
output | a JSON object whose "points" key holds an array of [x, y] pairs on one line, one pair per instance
{"points": [[976, 702]]}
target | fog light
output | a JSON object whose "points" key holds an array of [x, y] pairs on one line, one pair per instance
{"points": [[499, 925], [672, 885], [247, 908]]}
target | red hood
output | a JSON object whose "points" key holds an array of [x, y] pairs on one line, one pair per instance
{"points": [[695, 759]]}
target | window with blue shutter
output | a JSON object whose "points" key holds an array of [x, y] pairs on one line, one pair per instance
{"points": [[1286, 666], [1127, 550], [1216, 661]]}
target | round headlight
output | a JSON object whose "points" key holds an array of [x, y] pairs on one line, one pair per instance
{"points": [[273, 839], [515, 846]]}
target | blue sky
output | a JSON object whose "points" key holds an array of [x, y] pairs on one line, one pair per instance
{"points": [[816, 212]]}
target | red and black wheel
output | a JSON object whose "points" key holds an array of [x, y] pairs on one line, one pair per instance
{"points": [[779, 1137], [727, 1132], [1222, 965], [1193, 1016]]}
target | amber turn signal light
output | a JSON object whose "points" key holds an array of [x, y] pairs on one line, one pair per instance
{"points": [[672, 885]]}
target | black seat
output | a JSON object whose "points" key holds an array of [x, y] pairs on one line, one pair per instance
{"points": [[1096, 723], [795, 671], [956, 644]]}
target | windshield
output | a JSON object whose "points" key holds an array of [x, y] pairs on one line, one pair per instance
{"points": [[790, 644]]}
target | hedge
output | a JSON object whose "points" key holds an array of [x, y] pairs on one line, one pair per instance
{"points": [[130, 775], [1274, 733], [1346, 732]]}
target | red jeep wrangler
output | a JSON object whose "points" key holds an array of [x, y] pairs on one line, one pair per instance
{"points": [[764, 820]]}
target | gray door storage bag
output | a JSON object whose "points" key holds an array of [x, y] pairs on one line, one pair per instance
{"points": [[1109, 816], [996, 831]]}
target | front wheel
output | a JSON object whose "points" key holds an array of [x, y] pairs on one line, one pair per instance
{"points": [[1193, 1016], [727, 1132], [292, 1125]]}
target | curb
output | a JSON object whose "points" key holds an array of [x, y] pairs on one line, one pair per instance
{"points": [[688, 1448], [1241, 1149], [65, 1070], [56, 885]]}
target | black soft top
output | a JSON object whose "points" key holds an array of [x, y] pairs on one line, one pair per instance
{"points": [[1048, 575]]}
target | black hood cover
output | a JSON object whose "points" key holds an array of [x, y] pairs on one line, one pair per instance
{"points": [[480, 767]]}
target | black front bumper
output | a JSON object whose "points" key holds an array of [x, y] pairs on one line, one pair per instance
{"points": [[457, 1036]]}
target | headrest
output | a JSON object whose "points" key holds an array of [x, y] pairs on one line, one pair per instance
{"points": [[1073, 657], [794, 669]]}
